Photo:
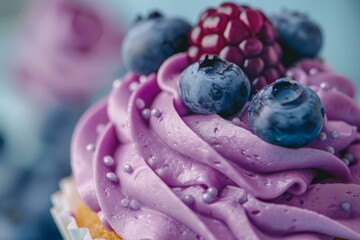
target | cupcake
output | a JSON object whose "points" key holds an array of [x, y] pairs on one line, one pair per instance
{"points": [[214, 143]]}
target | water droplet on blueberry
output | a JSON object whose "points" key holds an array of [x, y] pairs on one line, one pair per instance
{"points": [[286, 93], [286, 113]]}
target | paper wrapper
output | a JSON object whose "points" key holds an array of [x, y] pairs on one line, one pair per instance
{"points": [[65, 202]]}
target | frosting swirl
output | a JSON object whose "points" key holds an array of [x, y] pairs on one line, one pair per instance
{"points": [[160, 172]]}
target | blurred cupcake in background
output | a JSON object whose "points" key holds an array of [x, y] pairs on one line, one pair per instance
{"points": [[68, 51], [68, 48]]}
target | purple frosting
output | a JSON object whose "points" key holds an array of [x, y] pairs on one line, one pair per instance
{"points": [[161, 172]]}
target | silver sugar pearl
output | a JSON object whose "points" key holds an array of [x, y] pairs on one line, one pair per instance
{"points": [[349, 156], [330, 149], [116, 83], [155, 112], [322, 136], [213, 191], [345, 206], [140, 104], [90, 147], [111, 176], [108, 161], [124, 202], [142, 79], [324, 85], [188, 199], [146, 113], [313, 71], [334, 134], [346, 161], [208, 197], [133, 86], [236, 121]]}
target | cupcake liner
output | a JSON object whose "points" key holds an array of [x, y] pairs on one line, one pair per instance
{"points": [[64, 203]]}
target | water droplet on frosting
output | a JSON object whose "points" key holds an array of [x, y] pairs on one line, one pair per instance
{"points": [[242, 199], [160, 171], [334, 134], [140, 104], [330, 149], [322, 136], [155, 112], [146, 113], [151, 160], [134, 205], [127, 168], [90, 147], [108, 161], [124, 202], [188, 199], [345, 206], [176, 189], [111, 176]]}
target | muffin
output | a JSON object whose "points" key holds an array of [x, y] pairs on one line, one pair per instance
{"points": [[220, 149]]}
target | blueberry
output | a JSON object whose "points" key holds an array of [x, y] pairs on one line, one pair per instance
{"points": [[150, 42], [286, 113], [213, 85], [300, 37]]}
